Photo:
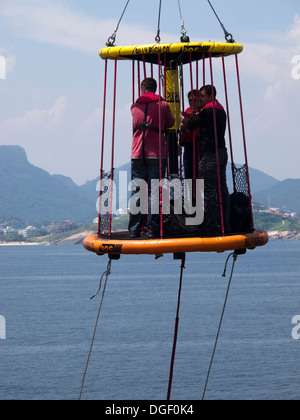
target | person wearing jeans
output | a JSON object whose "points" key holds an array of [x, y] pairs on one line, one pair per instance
{"points": [[150, 114]]}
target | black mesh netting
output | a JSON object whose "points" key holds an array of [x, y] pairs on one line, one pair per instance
{"points": [[241, 179], [104, 205]]}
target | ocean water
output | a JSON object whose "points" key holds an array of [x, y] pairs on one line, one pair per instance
{"points": [[45, 298]]}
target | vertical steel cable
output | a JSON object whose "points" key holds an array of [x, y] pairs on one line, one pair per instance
{"points": [[157, 38], [107, 273], [183, 31], [228, 36], [176, 329], [112, 39], [220, 324]]}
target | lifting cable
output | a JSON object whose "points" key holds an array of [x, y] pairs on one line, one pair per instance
{"points": [[107, 273], [157, 38], [183, 31], [228, 36], [235, 255], [112, 39]]}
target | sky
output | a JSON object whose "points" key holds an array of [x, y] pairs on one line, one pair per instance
{"points": [[51, 77]]}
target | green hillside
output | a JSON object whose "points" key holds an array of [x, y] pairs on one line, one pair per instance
{"points": [[32, 194], [285, 194], [272, 222]]}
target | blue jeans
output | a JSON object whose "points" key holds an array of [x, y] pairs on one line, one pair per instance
{"points": [[146, 170]]}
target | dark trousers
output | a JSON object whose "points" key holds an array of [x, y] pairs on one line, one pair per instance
{"points": [[146, 170], [189, 161], [208, 171]]}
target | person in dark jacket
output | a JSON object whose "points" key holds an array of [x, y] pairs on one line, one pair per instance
{"points": [[211, 122]]}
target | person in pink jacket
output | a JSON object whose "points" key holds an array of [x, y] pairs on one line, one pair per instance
{"points": [[151, 118]]}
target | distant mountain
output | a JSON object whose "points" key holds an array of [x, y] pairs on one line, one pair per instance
{"points": [[91, 188], [259, 180], [32, 194], [284, 194]]}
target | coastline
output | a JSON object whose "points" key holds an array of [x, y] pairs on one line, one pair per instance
{"points": [[70, 240], [285, 235], [78, 238], [23, 243]]}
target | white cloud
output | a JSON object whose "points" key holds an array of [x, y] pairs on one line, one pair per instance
{"points": [[271, 98], [33, 120], [271, 91], [49, 22], [39, 131], [11, 62], [57, 111], [52, 139], [91, 129], [293, 33], [261, 61], [7, 63], [92, 121]]}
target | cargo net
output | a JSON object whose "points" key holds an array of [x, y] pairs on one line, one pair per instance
{"points": [[241, 179], [103, 205]]}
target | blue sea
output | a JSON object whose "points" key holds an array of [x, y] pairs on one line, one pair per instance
{"points": [[45, 299]]}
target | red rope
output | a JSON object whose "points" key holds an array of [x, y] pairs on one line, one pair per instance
{"points": [[217, 148], [203, 58], [191, 71], [197, 77], [160, 149], [229, 124], [139, 78], [182, 108], [182, 90], [194, 132], [165, 97], [133, 83], [102, 145], [176, 330], [113, 148], [165, 76], [244, 137], [144, 67]]}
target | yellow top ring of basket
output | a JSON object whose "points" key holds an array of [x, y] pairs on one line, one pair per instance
{"points": [[182, 52]]}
